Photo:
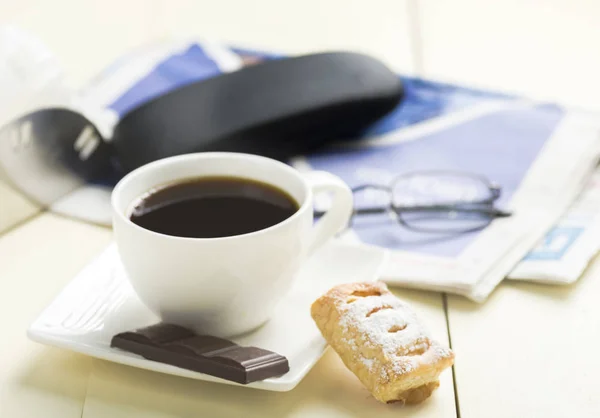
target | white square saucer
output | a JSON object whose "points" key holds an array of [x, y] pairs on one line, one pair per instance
{"points": [[99, 303]]}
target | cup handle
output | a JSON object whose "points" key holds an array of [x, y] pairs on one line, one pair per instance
{"points": [[338, 215]]}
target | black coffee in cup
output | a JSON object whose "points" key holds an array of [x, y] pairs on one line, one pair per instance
{"points": [[212, 207]]}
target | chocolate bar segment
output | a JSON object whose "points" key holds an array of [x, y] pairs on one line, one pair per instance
{"points": [[256, 361], [178, 346], [158, 334]]}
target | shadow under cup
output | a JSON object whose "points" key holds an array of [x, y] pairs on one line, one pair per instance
{"points": [[221, 286]]}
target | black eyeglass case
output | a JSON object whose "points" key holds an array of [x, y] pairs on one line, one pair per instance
{"points": [[278, 108]]}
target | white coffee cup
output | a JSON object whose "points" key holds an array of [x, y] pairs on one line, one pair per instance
{"points": [[230, 285]]}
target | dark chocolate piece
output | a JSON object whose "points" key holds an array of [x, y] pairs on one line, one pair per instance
{"points": [[178, 346]]}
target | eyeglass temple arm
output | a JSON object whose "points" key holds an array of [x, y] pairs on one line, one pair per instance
{"points": [[491, 211]]}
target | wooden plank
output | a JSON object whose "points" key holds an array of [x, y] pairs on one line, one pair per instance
{"points": [[14, 207], [544, 50], [377, 27], [36, 261], [529, 351], [86, 36]]}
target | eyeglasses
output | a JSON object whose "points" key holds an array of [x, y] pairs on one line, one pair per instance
{"points": [[432, 201]]}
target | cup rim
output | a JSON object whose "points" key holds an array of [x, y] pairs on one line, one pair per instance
{"points": [[114, 198]]}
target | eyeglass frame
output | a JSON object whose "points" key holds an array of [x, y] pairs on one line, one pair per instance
{"points": [[481, 206]]}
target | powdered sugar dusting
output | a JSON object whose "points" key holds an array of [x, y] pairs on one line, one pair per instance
{"points": [[368, 362], [386, 322], [350, 343]]}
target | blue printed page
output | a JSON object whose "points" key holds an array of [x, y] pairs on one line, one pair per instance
{"points": [[500, 146]]}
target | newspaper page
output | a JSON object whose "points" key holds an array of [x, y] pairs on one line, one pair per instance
{"points": [[539, 154]]}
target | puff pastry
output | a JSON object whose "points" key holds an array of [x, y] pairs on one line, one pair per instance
{"points": [[381, 341]]}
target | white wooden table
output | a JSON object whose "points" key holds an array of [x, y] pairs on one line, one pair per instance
{"points": [[529, 351]]}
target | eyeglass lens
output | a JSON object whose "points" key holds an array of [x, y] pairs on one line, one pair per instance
{"points": [[438, 189], [448, 202]]}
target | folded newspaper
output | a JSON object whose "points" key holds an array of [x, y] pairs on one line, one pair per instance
{"points": [[540, 154]]}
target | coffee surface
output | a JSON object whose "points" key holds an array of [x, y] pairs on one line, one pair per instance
{"points": [[211, 207]]}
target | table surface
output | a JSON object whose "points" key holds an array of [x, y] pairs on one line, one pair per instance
{"points": [[529, 351]]}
